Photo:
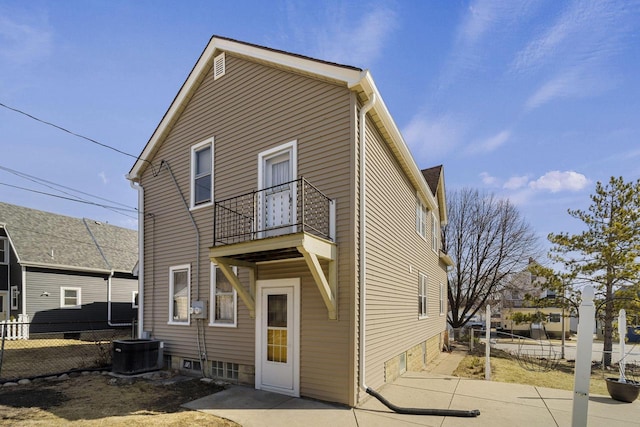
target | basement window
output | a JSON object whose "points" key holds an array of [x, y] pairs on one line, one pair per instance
{"points": [[191, 364], [224, 370]]}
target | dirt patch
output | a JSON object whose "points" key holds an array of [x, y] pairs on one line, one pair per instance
{"points": [[102, 399]]}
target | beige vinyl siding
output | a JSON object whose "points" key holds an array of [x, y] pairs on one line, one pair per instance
{"points": [[396, 254], [253, 108]]}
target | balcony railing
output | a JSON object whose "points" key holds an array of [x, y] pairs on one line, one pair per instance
{"points": [[293, 207]]}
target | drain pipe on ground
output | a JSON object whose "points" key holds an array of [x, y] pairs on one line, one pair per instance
{"points": [[363, 289]]}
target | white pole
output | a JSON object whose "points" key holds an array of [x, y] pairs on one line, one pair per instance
{"points": [[487, 348], [622, 333], [582, 375]]}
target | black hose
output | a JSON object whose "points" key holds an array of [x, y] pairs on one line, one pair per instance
{"points": [[422, 411]]}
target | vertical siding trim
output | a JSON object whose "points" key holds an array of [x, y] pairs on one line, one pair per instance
{"points": [[353, 323], [363, 234]]}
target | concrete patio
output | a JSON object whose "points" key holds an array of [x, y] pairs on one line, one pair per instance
{"points": [[500, 404]]}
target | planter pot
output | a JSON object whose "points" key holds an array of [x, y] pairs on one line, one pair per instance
{"points": [[624, 392]]}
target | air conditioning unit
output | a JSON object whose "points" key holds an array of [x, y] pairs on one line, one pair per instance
{"points": [[131, 357]]}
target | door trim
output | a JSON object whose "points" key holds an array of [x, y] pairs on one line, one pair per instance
{"points": [[291, 149], [295, 333], [5, 306]]}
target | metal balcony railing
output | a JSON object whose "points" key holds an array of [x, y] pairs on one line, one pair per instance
{"points": [[293, 207]]}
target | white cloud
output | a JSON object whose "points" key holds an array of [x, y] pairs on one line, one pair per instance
{"points": [[556, 181], [103, 177], [573, 54], [432, 138], [516, 182], [573, 83], [491, 143], [584, 31], [487, 179], [482, 24], [22, 43], [357, 43]]}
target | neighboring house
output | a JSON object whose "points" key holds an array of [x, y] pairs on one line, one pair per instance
{"points": [[516, 296], [67, 274], [273, 254]]}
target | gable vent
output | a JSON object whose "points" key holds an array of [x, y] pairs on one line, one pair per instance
{"points": [[218, 66]]}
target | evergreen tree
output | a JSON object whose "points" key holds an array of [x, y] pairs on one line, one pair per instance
{"points": [[606, 254]]}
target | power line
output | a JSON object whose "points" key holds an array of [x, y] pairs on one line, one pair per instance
{"points": [[73, 133], [74, 199], [43, 181]]}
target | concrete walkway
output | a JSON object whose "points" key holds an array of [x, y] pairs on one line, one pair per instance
{"points": [[500, 404]]}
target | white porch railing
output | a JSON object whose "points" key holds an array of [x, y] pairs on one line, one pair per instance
{"points": [[17, 329]]}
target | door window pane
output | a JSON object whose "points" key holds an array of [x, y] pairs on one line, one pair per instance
{"points": [[277, 345], [277, 328], [277, 311]]}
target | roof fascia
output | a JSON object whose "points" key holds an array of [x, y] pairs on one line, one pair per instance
{"points": [[368, 86], [68, 268], [15, 251], [333, 72], [442, 199]]}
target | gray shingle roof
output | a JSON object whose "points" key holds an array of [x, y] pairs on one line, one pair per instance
{"points": [[432, 176], [59, 241]]}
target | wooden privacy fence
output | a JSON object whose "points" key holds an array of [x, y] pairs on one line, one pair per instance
{"points": [[16, 329]]}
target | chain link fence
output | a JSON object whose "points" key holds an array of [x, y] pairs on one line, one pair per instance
{"points": [[65, 347]]}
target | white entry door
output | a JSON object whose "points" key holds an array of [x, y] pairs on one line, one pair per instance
{"points": [[277, 202], [278, 336]]}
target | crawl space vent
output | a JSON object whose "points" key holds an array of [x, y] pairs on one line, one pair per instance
{"points": [[218, 66]]}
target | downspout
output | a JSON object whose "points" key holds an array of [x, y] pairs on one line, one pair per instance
{"points": [[106, 260], [363, 235], [363, 288], [23, 290], [140, 189]]}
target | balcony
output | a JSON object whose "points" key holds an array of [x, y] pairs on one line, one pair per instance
{"points": [[293, 207], [290, 220]]}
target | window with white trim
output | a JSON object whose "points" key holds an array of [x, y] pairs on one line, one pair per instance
{"points": [[434, 232], [179, 291], [443, 294], [224, 299], [421, 218], [15, 301], [134, 299], [202, 174], [4, 250], [422, 296], [70, 297]]}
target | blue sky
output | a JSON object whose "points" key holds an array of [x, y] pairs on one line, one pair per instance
{"points": [[531, 100]]}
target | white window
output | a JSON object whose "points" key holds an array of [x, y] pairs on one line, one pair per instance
{"points": [[4, 250], [134, 299], [223, 299], [421, 219], [443, 293], [422, 296], [434, 232], [70, 297], [179, 291], [14, 298], [202, 174]]}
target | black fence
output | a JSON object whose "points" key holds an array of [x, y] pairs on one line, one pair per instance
{"points": [[75, 346]]}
